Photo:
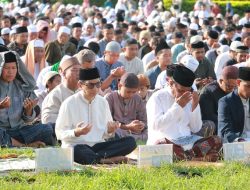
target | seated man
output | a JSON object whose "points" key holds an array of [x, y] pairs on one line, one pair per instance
{"points": [[109, 67], [212, 92], [128, 108], [174, 114], [17, 101], [234, 110], [87, 128], [69, 70], [163, 58]]}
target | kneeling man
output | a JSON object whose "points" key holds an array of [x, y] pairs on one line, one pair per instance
{"points": [[85, 122], [174, 115]]}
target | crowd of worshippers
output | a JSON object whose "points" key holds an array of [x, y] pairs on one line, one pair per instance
{"points": [[102, 79]]}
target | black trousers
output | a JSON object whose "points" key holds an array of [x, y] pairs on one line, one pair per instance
{"points": [[84, 154]]}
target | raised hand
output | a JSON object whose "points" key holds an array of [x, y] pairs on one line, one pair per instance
{"points": [[28, 105], [112, 126], [82, 129], [184, 99], [5, 103]]}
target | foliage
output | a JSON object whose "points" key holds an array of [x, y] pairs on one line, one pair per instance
{"points": [[167, 4], [238, 6]]}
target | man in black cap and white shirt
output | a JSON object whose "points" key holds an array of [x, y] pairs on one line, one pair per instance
{"points": [[87, 127], [234, 110], [174, 115], [21, 42]]}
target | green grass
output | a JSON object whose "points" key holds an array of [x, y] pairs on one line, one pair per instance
{"points": [[231, 176], [175, 176]]}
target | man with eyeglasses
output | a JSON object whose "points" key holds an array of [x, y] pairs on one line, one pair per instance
{"points": [[85, 123], [173, 115], [212, 92], [69, 70], [234, 110]]}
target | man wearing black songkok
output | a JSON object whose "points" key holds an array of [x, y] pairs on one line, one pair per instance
{"points": [[234, 110], [21, 42], [174, 115], [85, 122]]}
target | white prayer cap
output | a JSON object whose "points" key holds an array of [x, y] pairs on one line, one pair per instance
{"points": [[24, 10], [58, 20], [48, 76], [38, 43], [65, 57], [235, 44], [32, 28], [190, 62], [184, 22], [86, 24], [13, 31], [15, 26], [5, 31], [76, 19], [219, 16], [193, 26], [196, 38], [223, 48], [64, 29]]}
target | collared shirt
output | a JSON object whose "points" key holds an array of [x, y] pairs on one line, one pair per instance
{"points": [[167, 119], [204, 70], [13, 46], [96, 113], [153, 74], [104, 70], [126, 111]]}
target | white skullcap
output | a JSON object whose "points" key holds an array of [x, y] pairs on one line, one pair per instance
{"points": [[5, 31], [196, 38], [58, 20], [64, 29], [22, 11], [48, 76], [65, 57], [184, 23], [193, 26], [38, 43], [32, 28], [15, 26], [235, 44], [76, 19], [223, 48], [190, 62], [86, 24], [13, 31]]}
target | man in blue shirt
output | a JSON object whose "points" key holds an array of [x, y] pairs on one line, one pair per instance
{"points": [[109, 67]]}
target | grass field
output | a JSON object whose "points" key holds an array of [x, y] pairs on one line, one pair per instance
{"points": [[175, 176]]}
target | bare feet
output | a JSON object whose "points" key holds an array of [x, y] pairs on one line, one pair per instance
{"points": [[36, 144]]}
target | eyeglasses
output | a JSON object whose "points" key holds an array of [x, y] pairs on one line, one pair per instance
{"points": [[92, 85]]}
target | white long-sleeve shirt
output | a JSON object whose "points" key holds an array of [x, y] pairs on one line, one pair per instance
{"points": [[76, 109], [167, 119]]}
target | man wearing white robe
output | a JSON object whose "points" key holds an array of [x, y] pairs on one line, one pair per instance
{"points": [[85, 123], [174, 115]]}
